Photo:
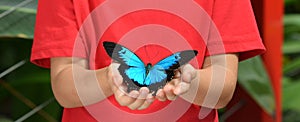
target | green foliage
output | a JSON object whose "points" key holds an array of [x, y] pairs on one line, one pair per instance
{"points": [[3, 119], [19, 23], [291, 47], [29, 80], [291, 69], [292, 34], [253, 77], [292, 6], [32, 82], [290, 88]]}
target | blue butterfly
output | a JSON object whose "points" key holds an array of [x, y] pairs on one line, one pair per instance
{"points": [[136, 75]]}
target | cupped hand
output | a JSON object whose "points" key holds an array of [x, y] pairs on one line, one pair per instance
{"points": [[135, 100], [179, 85]]}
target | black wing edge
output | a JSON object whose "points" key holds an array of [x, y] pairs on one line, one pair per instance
{"points": [[112, 50], [111, 47], [186, 56]]}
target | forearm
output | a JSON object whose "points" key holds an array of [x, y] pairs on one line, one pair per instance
{"points": [[75, 86]]}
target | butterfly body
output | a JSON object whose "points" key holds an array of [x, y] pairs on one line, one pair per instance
{"points": [[136, 74], [148, 67]]}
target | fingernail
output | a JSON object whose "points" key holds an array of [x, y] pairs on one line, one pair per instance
{"points": [[143, 92]]}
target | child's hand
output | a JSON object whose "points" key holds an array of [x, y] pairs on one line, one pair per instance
{"points": [[180, 83], [135, 99]]}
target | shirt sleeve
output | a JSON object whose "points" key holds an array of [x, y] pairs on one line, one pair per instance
{"points": [[236, 24], [55, 31]]}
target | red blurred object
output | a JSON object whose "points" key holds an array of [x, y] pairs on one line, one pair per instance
{"points": [[269, 15]]}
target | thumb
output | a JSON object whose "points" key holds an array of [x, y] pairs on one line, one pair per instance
{"points": [[188, 73]]}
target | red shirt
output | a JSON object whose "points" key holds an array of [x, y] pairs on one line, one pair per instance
{"points": [[171, 26]]}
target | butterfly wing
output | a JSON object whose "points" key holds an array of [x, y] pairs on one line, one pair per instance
{"points": [[122, 54], [174, 61], [131, 68], [163, 71]]}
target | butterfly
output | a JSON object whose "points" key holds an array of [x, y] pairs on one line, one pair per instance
{"points": [[136, 74]]}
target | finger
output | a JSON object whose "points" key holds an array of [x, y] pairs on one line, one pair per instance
{"points": [[175, 81], [188, 73], [115, 86], [176, 86], [125, 99], [168, 89], [140, 100], [147, 103], [181, 88], [177, 73], [160, 95]]}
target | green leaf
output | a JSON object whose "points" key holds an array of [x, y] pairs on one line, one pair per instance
{"points": [[292, 19], [291, 97], [3, 119], [15, 50], [253, 77], [292, 28], [20, 22], [292, 66], [290, 2], [29, 74], [291, 115], [37, 93], [291, 47]]}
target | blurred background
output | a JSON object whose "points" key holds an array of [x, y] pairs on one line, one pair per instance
{"points": [[25, 90]]}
